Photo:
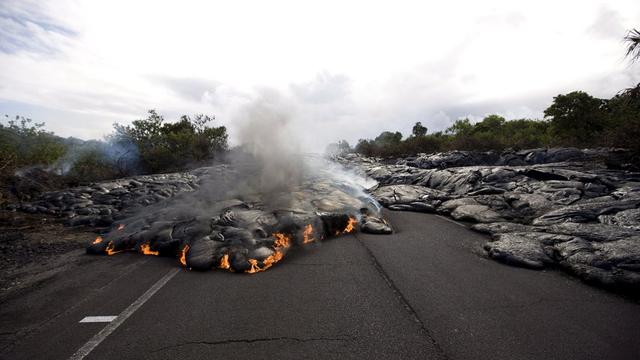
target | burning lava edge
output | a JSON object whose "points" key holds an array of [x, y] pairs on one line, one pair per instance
{"points": [[233, 259]]}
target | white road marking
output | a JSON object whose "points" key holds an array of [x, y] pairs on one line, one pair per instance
{"points": [[96, 319], [107, 330]]}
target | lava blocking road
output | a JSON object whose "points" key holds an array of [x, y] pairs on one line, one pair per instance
{"points": [[426, 291]]}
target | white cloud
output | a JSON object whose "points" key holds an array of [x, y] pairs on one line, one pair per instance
{"points": [[350, 69]]}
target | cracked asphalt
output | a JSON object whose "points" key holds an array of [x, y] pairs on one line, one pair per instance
{"points": [[425, 292]]}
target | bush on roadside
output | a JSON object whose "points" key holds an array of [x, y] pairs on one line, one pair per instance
{"points": [[24, 143], [163, 146]]}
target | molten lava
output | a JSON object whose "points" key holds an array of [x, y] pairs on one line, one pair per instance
{"points": [[351, 225], [183, 255], [146, 249], [308, 234], [254, 267], [266, 263], [224, 262], [110, 249], [272, 259], [281, 243], [282, 240]]}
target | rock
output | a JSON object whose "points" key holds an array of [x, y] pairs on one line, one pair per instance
{"points": [[593, 232], [405, 194], [626, 218], [452, 159], [537, 203], [201, 254], [505, 227], [374, 225], [530, 250], [614, 263], [414, 206], [476, 213], [450, 205], [586, 211]]}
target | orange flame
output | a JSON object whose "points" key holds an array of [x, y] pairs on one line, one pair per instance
{"points": [[183, 255], [254, 267], [224, 262], [308, 234], [282, 240], [266, 263], [272, 259], [351, 225], [120, 227], [98, 240], [146, 249], [110, 249]]}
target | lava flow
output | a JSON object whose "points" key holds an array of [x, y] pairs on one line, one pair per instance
{"points": [[226, 254], [146, 249], [282, 240], [224, 262], [308, 234], [281, 243], [183, 255], [110, 250], [351, 225]]}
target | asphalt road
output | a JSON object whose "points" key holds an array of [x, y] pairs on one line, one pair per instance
{"points": [[425, 292]]}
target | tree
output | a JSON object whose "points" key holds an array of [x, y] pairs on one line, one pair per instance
{"points": [[25, 143], [387, 138], [365, 147], [460, 126], [419, 130], [577, 118], [633, 44], [171, 146], [624, 113], [339, 148], [344, 147], [490, 124]]}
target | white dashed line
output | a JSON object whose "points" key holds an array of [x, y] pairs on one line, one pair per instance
{"points": [[98, 319], [99, 337]]}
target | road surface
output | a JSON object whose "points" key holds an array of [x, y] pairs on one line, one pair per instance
{"points": [[425, 292]]}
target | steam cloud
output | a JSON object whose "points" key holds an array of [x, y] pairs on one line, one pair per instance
{"points": [[266, 133]]}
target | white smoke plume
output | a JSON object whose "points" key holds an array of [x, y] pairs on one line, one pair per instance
{"points": [[265, 131]]}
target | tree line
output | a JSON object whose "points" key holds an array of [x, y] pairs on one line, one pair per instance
{"points": [[148, 145], [574, 119]]}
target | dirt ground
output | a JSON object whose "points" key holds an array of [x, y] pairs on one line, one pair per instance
{"points": [[32, 246]]}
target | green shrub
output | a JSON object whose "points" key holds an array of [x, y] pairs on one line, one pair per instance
{"points": [[25, 143], [92, 165], [577, 119], [172, 146]]}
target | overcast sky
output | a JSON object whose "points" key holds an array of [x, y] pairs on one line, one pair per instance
{"points": [[344, 69]]}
